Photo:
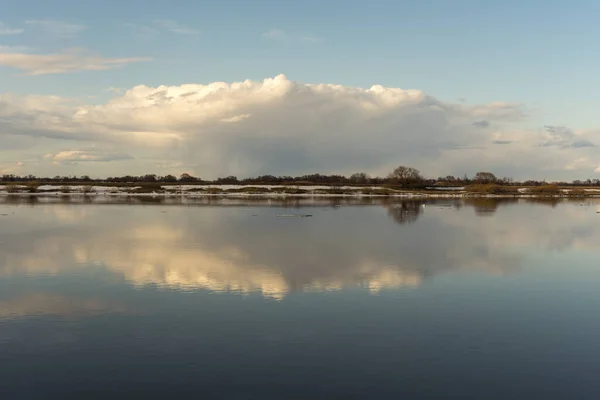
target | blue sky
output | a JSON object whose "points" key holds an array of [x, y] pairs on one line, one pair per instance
{"points": [[540, 54]]}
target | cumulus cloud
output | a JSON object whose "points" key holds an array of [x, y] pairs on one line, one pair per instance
{"points": [[280, 126], [71, 60], [7, 30], [57, 28]]}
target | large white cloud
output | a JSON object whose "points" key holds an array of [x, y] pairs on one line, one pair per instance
{"points": [[279, 126]]}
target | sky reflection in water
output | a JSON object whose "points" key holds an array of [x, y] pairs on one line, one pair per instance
{"points": [[225, 292]]}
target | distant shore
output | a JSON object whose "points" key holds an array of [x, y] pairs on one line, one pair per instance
{"points": [[278, 191]]}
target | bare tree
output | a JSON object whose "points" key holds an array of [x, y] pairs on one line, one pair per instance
{"points": [[485, 177], [405, 175], [360, 178]]}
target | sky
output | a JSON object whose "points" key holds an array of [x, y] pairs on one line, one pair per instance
{"points": [[450, 87]]}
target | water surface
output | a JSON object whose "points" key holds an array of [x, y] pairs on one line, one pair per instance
{"points": [[176, 298]]}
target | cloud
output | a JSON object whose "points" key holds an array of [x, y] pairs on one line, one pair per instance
{"points": [[564, 138], [57, 28], [582, 143], [275, 34], [7, 30], [15, 49], [156, 27], [71, 60], [115, 90], [282, 36], [481, 124], [142, 31], [175, 27], [280, 126], [70, 156]]}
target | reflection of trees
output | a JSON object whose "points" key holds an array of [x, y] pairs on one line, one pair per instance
{"points": [[406, 211], [16, 199], [548, 201], [485, 206]]}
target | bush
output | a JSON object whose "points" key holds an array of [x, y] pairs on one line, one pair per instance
{"points": [[65, 189], [151, 186], [577, 193], [289, 190], [12, 189], [492, 189], [32, 187], [545, 190], [87, 189]]}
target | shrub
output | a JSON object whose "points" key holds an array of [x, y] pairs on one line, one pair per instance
{"points": [[492, 189], [576, 193], [151, 186], [65, 189], [12, 189], [87, 189], [289, 190], [545, 190], [32, 187]]}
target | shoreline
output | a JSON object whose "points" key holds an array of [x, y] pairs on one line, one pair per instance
{"points": [[284, 192], [238, 195]]}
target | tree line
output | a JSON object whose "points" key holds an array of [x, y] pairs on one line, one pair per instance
{"points": [[403, 176]]}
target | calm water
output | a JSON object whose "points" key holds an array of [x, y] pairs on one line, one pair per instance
{"points": [[226, 300]]}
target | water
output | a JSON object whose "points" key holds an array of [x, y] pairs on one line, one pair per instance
{"points": [[478, 299]]}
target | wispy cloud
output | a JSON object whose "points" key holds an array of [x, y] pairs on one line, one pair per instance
{"points": [[115, 90], [15, 49], [275, 34], [142, 31], [71, 60], [283, 36], [7, 30], [70, 156], [57, 28], [164, 25], [175, 27]]}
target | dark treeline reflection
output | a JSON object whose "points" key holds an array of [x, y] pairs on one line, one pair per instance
{"points": [[401, 210]]}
